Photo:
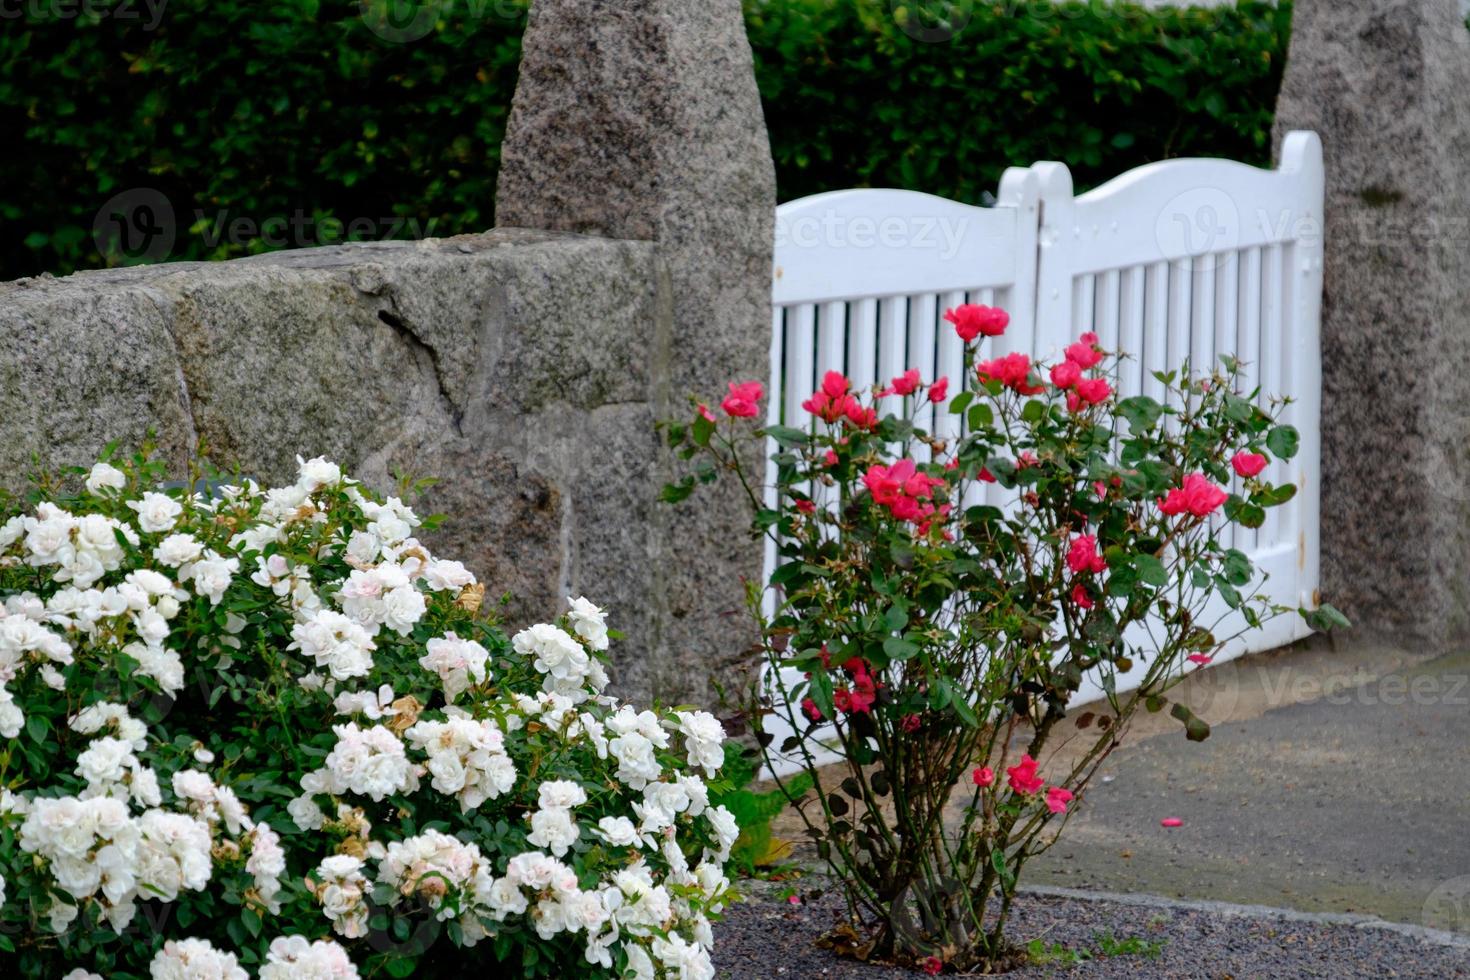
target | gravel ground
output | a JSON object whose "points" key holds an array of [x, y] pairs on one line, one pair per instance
{"points": [[768, 937]]}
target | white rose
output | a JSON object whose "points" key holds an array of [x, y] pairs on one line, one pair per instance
{"points": [[443, 576], [212, 575], [178, 549], [402, 607], [589, 622], [618, 831], [157, 512], [313, 474], [554, 830], [105, 477]]}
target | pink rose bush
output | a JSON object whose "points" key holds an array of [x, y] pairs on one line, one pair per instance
{"points": [[266, 733], [939, 601]]}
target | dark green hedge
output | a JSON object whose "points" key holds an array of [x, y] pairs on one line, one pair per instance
{"points": [[853, 99], [188, 124]]}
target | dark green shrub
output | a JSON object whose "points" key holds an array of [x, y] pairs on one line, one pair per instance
{"points": [[853, 99], [292, 109], [208, 130]]}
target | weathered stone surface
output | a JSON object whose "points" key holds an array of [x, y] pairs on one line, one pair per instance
{"points": [[499, 363], [80, 368], [641, 119], [1386, 83]]}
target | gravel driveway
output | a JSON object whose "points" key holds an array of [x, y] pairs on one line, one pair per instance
{"points": [[767, 937]]}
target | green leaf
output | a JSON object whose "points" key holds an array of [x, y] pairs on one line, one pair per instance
{"points": [[701, 430], [981, 417], [1283, 441], [821, 692], [960, 402], [787, 437], [966, 713], [1237, 568], [1151, 571], [898, 648], [1141, 413], [674, 493], [1325, 618], [1243, 512], [1274, 496], [1195, 728], [998, 862]]}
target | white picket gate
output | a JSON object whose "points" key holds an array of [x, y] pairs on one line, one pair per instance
{"points": [[1182, 258]]}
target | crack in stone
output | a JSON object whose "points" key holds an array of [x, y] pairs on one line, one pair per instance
{"points": [[165, 308], [402, 328]]}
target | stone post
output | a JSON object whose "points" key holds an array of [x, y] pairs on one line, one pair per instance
{"points": [[640, 119], [1386, 83]]}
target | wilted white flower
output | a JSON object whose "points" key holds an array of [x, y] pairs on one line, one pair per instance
{"points": [[460, 664], [342, 893]]}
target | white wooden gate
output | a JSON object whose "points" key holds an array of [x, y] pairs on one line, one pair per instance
{"points": [[1174, 260]]}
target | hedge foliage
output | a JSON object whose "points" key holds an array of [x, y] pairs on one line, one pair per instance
{"points": [[179, 127]]}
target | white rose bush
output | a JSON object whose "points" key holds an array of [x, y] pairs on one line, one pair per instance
{"points": [[265, 733]]}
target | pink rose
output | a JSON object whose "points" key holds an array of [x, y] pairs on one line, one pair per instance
{"points": [[1084, 353], [971, 320], [1013, 371], [857, 415], [905, 384], [1198, 497], [743, 398], [983, 776], [1023, 777], [1080, 596], [1066, 374], [1093, 390], [1083, 556], [1248, 464], [910, 723], [1057, 799], [939, 391]]}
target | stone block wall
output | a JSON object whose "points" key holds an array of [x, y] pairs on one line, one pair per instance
{"points": [[523, 369]]}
